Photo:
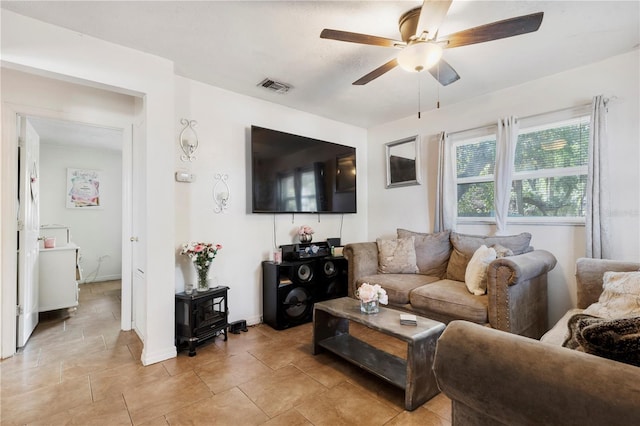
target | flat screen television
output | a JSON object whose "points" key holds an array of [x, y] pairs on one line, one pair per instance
{"points": [[297, 174]]}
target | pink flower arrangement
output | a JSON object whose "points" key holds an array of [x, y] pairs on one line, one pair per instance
{"points": [[369, 293], [201, 254], [305, 230]]}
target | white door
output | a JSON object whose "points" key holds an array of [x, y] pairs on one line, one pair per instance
{"points": [[138, 240], [28, 230]]}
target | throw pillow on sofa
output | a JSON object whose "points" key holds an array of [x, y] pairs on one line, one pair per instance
{"points": [[476, 275], [620, 296], [465, 245], [432, 251], [397, 256]]}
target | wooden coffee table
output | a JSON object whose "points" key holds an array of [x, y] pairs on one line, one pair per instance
{"points": [[415, 375]]}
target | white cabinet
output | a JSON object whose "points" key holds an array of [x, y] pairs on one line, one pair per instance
{"points": [[59, 276]]}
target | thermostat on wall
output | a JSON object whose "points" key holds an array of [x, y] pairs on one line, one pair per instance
{"points": [[185, 177]]}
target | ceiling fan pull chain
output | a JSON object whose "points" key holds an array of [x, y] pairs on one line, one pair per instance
{"points": [[419, 103], [438, 88]]}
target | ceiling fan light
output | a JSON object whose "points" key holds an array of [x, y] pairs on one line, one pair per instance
{"points": [[419, 56]]}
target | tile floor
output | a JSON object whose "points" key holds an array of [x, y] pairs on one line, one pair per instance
{"points": [[79, 368]]}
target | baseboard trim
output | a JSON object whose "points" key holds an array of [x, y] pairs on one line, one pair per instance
{"points": [[158, 356], [254, 320], [112, 277]]}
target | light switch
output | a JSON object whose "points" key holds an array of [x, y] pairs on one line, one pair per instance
{"points": [[185, 177]]}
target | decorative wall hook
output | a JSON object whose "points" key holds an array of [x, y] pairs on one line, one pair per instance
{"points": [[188, 139], [221, 193]]}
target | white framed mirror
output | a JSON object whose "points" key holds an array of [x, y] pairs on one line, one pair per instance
{"points": [[403, 162]]}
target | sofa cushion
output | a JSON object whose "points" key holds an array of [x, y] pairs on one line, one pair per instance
{"points": [[475, 277], [397, 256], [397, 286], [452, 299], [620, 296], [558, 333], [465, 245], [617, 339], [432, 251]]}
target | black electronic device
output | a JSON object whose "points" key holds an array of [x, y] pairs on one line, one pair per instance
{"points": [[288, 293], [292, 287], [305, 250], [333, 242], [298, 174], [333, 278], [236, 327]]}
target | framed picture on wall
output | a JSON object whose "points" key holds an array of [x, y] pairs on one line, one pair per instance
{"points": [[83, 189]]}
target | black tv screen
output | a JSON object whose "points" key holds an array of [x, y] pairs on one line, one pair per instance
{"points": [[296, 174]]}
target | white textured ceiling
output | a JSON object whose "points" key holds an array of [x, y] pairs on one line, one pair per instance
{"points": [[62, 133], [236, 44]]}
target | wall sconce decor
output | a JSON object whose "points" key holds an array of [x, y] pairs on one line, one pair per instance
{"points": [[188, 140], [221, 193]]}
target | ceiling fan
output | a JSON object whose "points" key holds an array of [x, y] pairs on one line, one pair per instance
{"points": [[421, 47]]}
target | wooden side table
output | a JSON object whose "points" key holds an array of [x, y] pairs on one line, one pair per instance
{"points": [[201, 316]]}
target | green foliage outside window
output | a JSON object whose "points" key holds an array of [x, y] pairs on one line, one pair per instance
{"points": [[476, 161], [549, 173]]}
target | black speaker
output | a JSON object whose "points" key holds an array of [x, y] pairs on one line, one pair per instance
{"points": [[288, 293], [333, 278]]}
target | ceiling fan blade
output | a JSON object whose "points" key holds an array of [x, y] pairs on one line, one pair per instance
{"points": [[431, 16], [494, 31], [360, 38], [377, 72], [444, 73]]}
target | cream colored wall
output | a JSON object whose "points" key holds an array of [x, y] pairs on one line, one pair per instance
{"points": [[616, 77]]}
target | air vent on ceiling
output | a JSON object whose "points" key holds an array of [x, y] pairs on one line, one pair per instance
{"points": [[276, 86]]}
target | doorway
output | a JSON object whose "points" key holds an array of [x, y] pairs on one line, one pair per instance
{"points": [[69, 149]]}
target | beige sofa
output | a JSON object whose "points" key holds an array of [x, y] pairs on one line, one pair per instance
{"points": [[516, 296], [495, 378]]}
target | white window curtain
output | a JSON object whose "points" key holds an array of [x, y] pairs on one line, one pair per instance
{"points": [[597, 214], [445, 217], [506, 140]]}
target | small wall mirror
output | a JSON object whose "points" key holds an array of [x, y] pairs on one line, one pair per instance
{"points": [[403, 162]]}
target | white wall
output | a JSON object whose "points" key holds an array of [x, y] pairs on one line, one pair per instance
{"points": [[97, 232], [224, 122], [617, 76]]}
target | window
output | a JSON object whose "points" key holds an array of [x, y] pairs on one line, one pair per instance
{"points": [[549, 178], [475, 163], [550, 173]]}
